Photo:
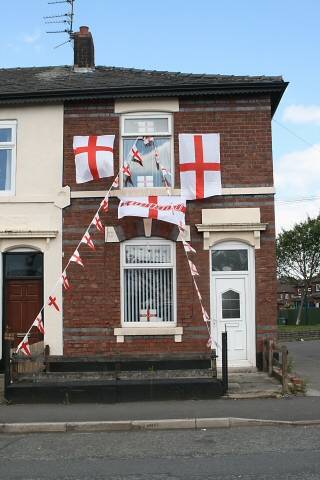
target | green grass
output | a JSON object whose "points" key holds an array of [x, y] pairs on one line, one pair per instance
{"points": [[297, 328]]}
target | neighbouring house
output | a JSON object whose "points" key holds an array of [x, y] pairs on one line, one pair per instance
{"points": [[44, 213], [290, 293]]}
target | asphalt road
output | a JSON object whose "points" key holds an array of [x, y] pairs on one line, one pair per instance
{"points": [[240, 453], [306, 362]]}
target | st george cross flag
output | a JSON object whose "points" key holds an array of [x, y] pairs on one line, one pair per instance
{"points": [[24, 346], [93, 157], [199, 158], [168, 209]]}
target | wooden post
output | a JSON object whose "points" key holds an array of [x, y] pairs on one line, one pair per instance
{"points": [[264, 355], [270, 358], [284, 363]]}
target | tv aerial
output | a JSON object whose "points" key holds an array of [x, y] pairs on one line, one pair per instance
{"points": [[65, 19]]}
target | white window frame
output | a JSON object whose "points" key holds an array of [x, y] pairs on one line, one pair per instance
{"points": [[145, 242], [12, 124], [317, 287], [123, 135]]}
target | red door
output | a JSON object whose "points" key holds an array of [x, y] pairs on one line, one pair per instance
{"points": [[23, 301]]}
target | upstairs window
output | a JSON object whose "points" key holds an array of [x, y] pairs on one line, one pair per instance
{"points": [[151, 136], [7, 156]]}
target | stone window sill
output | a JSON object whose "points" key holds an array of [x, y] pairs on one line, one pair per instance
{"points": [[122, 332]]}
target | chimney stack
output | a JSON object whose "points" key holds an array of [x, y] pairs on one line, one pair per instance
{"points": [[83, 49]]}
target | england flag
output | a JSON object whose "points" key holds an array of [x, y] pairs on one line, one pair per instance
{"points": [[93, 157], [168, 209], [200, 172]]}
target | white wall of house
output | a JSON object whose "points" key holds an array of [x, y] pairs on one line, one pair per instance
{"points": [[32, 215]]}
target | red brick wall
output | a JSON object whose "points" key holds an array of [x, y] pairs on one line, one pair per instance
{"points": [[92, 308]]}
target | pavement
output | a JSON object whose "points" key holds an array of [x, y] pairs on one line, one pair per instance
{"points": [[305, 359], [247, 404]]}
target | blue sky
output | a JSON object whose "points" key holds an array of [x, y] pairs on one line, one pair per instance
{"points": [[240, 37]]}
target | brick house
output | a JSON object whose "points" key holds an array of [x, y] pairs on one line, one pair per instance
{"points": [[234, 234]]}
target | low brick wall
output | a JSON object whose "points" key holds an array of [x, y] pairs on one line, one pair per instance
{"points": [[292, 336]]}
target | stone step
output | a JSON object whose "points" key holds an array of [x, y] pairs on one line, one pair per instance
{"points": [[61, 377]]}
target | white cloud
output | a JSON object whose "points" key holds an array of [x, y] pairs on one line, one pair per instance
{"points": [[32, 37], [302, 114], [297, 178]]}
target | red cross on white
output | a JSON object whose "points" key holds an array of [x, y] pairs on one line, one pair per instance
{"points": [[148, 315], [65, 281], [39, 324], [168, 209], [136, 155], [97, 223], [88, 241], [52, 302], [24, 346], [76, 258], [93, 157], [200, 172], [105, 204]]}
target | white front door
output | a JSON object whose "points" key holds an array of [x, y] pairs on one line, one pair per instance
{"points": [[230, 315], [233, 302]]}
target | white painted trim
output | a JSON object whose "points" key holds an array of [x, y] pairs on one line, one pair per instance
{"points": [[13, 147], [172, 264], [249, 277], [162, 191], [248, 191], [29, 234], [146, 105], [120, 333]]}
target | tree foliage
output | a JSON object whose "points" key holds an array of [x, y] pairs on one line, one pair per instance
{"points": [[298, 253]]}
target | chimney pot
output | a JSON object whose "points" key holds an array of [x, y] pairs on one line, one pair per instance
{"points": [[83, 49], [84, 30]]}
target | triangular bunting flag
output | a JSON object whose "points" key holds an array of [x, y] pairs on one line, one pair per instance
{"points": [[205, 315], [52, 302], [39, 324], [193, 268], [127, 175], [136, 155], [64, 280], [115, 183], [24, 347], [187, 247], [105, 204], [97, 222], [76, 258], [88, 241]]}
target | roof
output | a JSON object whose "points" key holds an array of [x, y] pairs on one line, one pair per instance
{"points": [[66, 83]]}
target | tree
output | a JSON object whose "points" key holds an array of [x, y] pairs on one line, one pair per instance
{"points": [[298, 254]]}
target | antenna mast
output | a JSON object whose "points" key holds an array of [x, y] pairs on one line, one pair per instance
{"points": [[65, 19]]}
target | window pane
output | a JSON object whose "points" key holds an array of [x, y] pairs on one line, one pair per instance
{"points": [[142, 254], [145, 126], [229, 260], [148, 295], [23, 265], [5, 169], [5, 135], [230, 304], [149, 175]]}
